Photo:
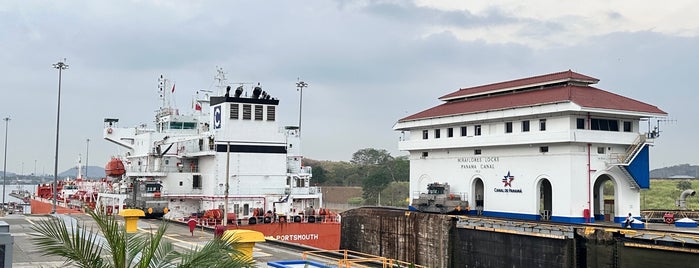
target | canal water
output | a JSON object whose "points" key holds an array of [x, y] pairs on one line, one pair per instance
{"points": [[9, 188]]}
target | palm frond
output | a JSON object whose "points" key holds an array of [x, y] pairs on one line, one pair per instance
{"points": [[78, 245], [216, 253], [84, 248]]}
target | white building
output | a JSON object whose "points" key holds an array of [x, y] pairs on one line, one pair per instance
{"points": [[538, 148]]}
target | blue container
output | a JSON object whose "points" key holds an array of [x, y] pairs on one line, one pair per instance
{"points": [[686, 224], [638, 225]]}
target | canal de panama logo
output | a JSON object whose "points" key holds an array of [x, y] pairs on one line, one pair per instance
{"points": [[507, 180], [507, 185]]}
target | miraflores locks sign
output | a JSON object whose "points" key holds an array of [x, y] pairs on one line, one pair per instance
{"points": [[477, 163]]}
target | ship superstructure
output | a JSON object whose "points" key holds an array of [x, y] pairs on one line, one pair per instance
{"points": [[230, 148]]}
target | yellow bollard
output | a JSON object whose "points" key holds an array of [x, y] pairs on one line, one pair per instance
{"points": [[246, 240], [131, 218]]}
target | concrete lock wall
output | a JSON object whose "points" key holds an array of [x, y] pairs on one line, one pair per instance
{"points": [[434, 240], [418, 238]]}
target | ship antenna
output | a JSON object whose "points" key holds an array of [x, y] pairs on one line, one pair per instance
{"points": [[300, 85], [221, 78]]}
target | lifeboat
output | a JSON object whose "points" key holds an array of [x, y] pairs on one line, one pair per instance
{"points": [[114, 168]]}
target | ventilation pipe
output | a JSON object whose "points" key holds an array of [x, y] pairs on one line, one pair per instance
{"points": [[681, 202]]}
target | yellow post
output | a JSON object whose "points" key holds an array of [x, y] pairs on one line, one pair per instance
{"points": [[245, 239], [131, 218]]}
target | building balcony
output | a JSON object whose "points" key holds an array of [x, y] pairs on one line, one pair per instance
{"points": [[533, 137]]}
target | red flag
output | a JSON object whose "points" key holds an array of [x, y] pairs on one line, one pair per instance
{"points": [[197, 107], [173, 88]]}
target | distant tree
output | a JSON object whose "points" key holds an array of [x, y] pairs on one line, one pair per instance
{"points": [[319, 176], [374, 183], [347, 174], [400, 167], [395, 194], [370, 156], [684, 185], [379, 169]]}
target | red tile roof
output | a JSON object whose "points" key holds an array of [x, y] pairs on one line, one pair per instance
{"points": [[585, 96], [522, 83]]}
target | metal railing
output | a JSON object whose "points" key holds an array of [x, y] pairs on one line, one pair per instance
{"points": [[355, 259]]}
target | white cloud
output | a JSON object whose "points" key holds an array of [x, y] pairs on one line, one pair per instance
{"points": [[580, 20]]}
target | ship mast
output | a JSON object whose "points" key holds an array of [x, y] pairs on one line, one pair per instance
{"points": [[221, 78]]}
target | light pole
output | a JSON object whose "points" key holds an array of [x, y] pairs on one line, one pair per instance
{"points": [[300, 85], [4, 168], [61, 65], [87, 157], [225, 198]]}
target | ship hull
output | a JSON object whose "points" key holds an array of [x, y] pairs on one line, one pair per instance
{"points": [[323, 233], [45, 206], [318, 235]]}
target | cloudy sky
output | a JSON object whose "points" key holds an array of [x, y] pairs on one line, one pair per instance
{"points": [[368, 63]]}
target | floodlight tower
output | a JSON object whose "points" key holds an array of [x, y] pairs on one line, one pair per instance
{"points": [[61, 65], [300, 85]]}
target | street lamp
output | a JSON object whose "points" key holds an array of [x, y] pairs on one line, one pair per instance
{"points": [[87, 157], [61, 65], [300, 85], [4, 168]]}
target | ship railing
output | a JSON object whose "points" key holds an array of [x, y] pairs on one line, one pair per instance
{"points": [[306, 170], [290, 219], [168, 169], [349, 258], [305, 190]]}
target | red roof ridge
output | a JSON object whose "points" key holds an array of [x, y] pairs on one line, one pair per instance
{"points": [[540, 80]]}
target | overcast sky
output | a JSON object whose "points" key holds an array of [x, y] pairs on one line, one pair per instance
{"points": [[368, 63]]}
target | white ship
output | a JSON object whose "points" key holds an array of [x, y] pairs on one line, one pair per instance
{"points": [[229, 154]]}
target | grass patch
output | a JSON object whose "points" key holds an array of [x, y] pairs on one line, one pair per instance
{"points": [[663, 194]]}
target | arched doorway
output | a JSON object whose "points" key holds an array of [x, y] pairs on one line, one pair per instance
{"points": [[545, 199], [478, 195], [604, 198]]}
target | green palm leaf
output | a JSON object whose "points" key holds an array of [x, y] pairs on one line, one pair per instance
{"points": [[112, 246]]}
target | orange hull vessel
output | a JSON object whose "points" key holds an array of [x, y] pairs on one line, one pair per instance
{"points": [[318, 235]]}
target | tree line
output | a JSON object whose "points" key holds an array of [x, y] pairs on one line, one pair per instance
{"points": [[384, 179]]}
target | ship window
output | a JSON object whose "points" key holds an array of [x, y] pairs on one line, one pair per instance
{"points": [[236, 208], [247, 111], [600, 150], [477, 130], [437, 133], [425, 154], [525, 126], [424, 134], [246, 209], [508, 127], [542, 124], [152, 188], [235, 111], [196, 181], [182, 125], [167, 161], [544, 149], [258, 112], [580, 122], [181, 183], [464, 131], [271, 113], [450, 132], [477, 151], [627, 126]]}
